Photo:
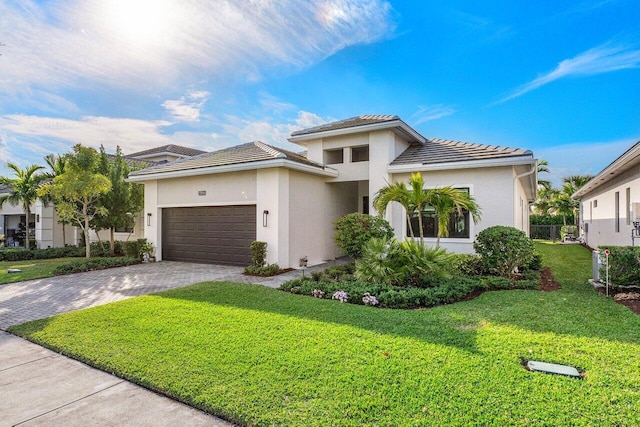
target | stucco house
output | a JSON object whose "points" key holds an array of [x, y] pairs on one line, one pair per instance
{"points": [[610, 202], [44, 222], [210, 207]]}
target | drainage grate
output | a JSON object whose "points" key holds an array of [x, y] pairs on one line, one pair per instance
{"points": [[553, 368]]}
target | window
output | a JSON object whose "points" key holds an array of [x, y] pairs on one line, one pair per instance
{"points": [[333, 157], [124, 230], [458, 224], [617, 202], [360, 154]]}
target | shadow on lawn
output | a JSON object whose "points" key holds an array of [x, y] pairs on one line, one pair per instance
{"points": [[584, 314], [423, 325]]}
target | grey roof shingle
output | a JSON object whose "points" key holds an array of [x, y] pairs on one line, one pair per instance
{"points": [[171, 148], [436, 150], [246, 153], [367, 119]]}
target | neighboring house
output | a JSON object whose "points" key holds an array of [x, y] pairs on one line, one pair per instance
{"points": [[610, 202], [45, 226], [209, 208]]}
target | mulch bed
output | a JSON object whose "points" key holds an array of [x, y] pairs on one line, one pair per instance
{"points": [[548, 283], [630, 300]]}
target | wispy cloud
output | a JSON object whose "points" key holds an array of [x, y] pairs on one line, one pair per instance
{"points": [[606, 58], [431, 112], [56, 135], [188, 107], [78, 43]]}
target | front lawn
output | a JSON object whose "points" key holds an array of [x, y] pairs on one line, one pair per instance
{"points": [[258, 356], [31, 269]]}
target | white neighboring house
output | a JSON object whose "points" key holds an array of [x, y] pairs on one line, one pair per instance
{"points": [[610, 202], [46, 229], [209, 208]]}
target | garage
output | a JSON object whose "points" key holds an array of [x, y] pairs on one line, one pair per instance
{"points": [[209, 234]]}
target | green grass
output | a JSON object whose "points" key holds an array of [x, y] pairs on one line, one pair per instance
{"points": [[258, 356], [31, 269]]}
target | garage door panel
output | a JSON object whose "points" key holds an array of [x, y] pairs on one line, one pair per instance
{"points": [[218, 235]]}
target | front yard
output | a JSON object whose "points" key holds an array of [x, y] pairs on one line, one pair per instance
{"points": [[258, 356]]}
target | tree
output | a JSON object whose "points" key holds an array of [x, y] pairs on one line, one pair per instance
{"points": [[543, 167], [57, 165], [24, 190], [564, 203], [444, 200], [545, 201], [123, 201], [78, 189]]}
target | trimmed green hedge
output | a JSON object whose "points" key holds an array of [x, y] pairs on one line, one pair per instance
{"points": [[447, 291], [92, 264], [624, 265], [23, 254]]}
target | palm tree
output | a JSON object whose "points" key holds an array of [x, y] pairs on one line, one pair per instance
{"points": [[24, 189], [543, 167], [447, 201], [545, 201], [444, 200], [57, 165], [572, 184]]}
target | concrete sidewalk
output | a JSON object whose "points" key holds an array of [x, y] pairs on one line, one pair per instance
{"points": [[42, 388]]}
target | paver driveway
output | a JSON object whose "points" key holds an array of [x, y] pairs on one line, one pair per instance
{"points": [[36, 299]]}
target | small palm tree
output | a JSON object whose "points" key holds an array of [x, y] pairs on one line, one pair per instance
{"points": [[24, 189], [447, 201], [444, 200]]}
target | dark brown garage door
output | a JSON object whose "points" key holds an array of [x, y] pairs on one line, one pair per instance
{"points": [[215, 235]]}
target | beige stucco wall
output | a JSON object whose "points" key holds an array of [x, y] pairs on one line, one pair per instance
{"points": [[314, 206], [493, 189], [601, 220]]}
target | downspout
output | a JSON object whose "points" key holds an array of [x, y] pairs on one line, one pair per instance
{"points": [[534, 169]]}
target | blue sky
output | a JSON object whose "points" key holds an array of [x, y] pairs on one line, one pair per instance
{"points": [[561, 78]]}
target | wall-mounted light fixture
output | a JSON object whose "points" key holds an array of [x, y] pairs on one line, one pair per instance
{"points": [[149, 218], [37, 218], [265, 215]]}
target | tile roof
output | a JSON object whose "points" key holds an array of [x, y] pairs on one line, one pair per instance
{"points": [[4, 189], [367, 119], [246, 153], [436, 150], [175, 149]]}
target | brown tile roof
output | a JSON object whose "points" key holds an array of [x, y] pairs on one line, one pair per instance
{"points": [[245, 153], [367, 119], [175, 149], [436, 150]]}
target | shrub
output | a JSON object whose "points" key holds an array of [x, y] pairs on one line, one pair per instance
{"points": [[49, 253], [353, 231], [466, 264], [407, 263], [133, 248], [503, 249], [258, 253], [381, 262], [92, 264], [624, 265], [263, 270], [445, 291]]}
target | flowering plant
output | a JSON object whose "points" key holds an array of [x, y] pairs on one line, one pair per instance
{"points": [[317, 293], [369, 299], [341, 296]]}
